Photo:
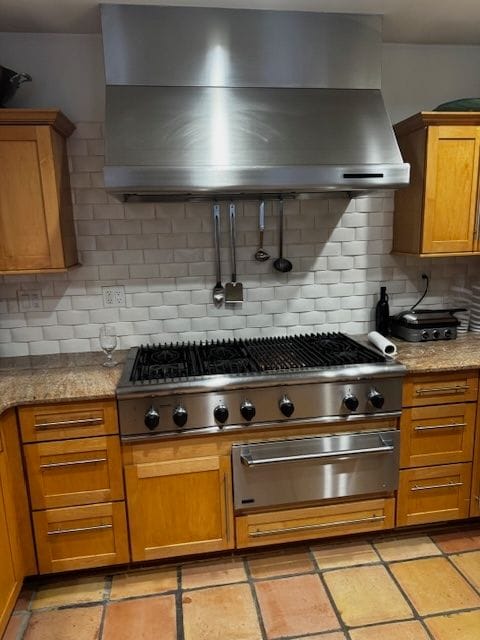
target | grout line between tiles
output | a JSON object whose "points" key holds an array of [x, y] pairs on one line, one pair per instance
{"points": [[465, 577], [333, 604], [256, 603], [179, 606], [416, 614]]}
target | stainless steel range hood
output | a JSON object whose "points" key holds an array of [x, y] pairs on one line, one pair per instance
{"points": [[220, 102]]}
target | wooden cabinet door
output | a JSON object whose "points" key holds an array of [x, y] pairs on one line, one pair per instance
{"points": [[179, 507], [451, 185], [27, 236], [10, 581]]}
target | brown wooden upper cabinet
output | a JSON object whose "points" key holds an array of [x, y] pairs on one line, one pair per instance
{"points": [[438, 214], [36, 218]]}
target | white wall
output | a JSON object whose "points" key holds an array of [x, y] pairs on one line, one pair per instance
{"points": [[163, 256], [420, 77], [68, 72]]}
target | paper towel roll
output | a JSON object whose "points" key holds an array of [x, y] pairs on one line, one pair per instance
{"points": [[382, 343]]}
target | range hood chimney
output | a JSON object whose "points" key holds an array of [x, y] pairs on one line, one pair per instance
{"points": [[235, 103]]}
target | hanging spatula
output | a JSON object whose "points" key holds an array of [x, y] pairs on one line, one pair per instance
{"points": [[233, 289]]}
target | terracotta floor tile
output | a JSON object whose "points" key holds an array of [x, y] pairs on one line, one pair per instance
{"points": [[14, 625], [366, 595], [434, 586], [344, 554], [218, 613], [280, 563], [69, 591], [80, 623], [142, 618], [469, 565], [296, 605], [410, 630], [406, 548], [24, 599], [143, 583], [206, 574], [456, 626], [458, 541]]}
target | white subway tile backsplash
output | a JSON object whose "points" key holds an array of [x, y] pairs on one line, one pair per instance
{"points": [[26, 334], [13, 349], [163, 255]]}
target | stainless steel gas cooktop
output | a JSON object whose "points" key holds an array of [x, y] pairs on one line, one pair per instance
{"points": [[181, 388]]}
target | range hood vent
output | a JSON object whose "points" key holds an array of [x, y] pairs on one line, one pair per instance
{"points": [[236, 103]]}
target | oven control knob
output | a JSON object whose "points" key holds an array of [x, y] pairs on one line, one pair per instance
{"points": [[351, 402], [152, 418], [376, 398], [436, 334], [286, 406], [424, 335], [180, 416], [447, 333], [220, 413], [247, 410]]}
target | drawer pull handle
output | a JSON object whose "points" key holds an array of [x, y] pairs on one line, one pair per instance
{"points": [[446, 485], [323, 525], [455, 389], [58, 532], [55, 465], [453, 425], [249, 461], [69, 423]]}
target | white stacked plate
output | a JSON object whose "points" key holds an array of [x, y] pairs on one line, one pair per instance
{"points": [[462, 299], [475, 310]]}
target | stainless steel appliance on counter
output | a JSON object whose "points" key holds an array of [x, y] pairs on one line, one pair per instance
{"points": [[179, 390], [422, 325]]}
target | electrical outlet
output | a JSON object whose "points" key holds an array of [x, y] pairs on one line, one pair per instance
{"points": [[30, 299], [113, 296]]}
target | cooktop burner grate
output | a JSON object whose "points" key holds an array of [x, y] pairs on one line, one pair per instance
{"points": [[159, 363]]}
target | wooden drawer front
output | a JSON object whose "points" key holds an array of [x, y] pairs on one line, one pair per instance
{"points": [[81, 537], [434, 389], [437, 435], [434, 494], [69, 420], [74, 472], [259, 529]]}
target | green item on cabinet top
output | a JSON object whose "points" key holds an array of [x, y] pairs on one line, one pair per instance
{"points": [[463, 104]]}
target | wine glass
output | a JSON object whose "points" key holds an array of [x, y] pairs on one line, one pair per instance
{"points": [[108, 342]]}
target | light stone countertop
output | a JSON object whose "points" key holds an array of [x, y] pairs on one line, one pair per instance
{"points": [[80, 376], [57, 378]]}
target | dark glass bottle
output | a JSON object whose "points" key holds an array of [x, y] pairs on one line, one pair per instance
{"points": [[382, 313]]}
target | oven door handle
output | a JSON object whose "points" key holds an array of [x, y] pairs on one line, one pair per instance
{"points": [[248, 460]]}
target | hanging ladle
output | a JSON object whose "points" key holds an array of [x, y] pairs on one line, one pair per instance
{"points": [[281, 263], [261, 255]]}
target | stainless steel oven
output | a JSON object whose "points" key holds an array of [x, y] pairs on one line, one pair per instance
{"points": [[292, 471]]}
